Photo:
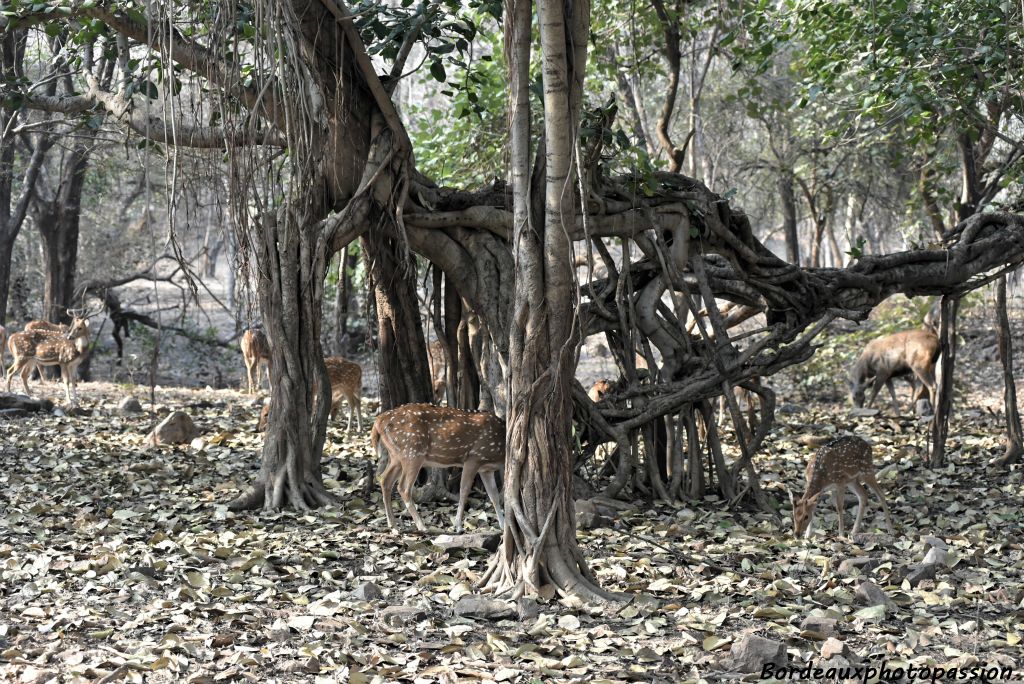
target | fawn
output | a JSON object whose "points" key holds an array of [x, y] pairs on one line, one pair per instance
{"points": [[841, 462], [415, 435], [255, 350]]}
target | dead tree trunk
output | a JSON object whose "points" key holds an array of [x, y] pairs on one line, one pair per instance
{"points": [[1014, 435], [58, 222]]}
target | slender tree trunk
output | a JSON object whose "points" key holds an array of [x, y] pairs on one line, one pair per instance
{"points": [[944, 382], [347, 260], [787, 196], [6, 259], [1014, 434]]}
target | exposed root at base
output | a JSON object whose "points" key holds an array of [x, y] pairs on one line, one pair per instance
{"points": [[274, 495]]}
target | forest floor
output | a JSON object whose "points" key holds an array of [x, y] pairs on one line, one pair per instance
{"points": [[121, 562]]}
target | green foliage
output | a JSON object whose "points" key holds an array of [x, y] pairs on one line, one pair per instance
{"points": [[459, 134]]}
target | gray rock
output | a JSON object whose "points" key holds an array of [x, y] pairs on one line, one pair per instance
{"points": [[935, 542], [871, 594], [920, 573], [129, 405], [176, 428], [485, 608], [923, 408], [589, 516], [488, 541], [858, 564], [398, 617], [825, 626], [367, 591], [528, 608], [936, 556], [751, 653], [834, 647]]}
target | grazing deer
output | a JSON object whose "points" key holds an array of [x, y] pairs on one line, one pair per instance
{"points": [[417, 435], [910, 353], [255, 350], [845, 461], [50, 348], [346, 383], [438, 363]]}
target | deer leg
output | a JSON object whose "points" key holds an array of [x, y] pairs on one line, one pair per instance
{"points": [[927, 377], [359, 411], [405, 485], [465, 484], [862, 502], [810, 518], [492, 493], [248, 376], [840, 501], [871, 482], [892, 395], [880, 380], [387, 485]]}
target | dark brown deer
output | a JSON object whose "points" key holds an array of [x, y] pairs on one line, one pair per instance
{"points": [[910, 353]]}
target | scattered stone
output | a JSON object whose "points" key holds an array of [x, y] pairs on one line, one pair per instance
{"points": [[751, 653], [824, 626], [485, 608], [791, 408], [590, 516], [13, 413], [397, 617], [176, 428], [528, 608], [488, 541], [367, 591], [33, 675], [858, 564], [834, 647], [871, 594], [129, 405], [920, 573], [936, 542], [198, 444], [923, 408], [936, 556], [864, 412]]}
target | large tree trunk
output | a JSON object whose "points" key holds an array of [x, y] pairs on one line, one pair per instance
{"points": [[539, 546], [347, 261], [1014, 435], [58, 222], [404, 370], [944, 380]]}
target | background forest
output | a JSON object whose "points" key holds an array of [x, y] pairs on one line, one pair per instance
{"points": [[714, 207]]}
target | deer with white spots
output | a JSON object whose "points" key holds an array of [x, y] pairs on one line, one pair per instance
{"points": [[417, 435], [845, 461], [49, 348], [346, 383], [255, 350]]}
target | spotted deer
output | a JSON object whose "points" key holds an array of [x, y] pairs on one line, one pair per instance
{"points": [[255, 350], [417, 435], [910, 353], [50, 348], [36, 325], [600, 389], [845, 461], [346, 383]]}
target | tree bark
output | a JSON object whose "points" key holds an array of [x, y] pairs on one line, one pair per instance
{"points": [[539, 546], [347, 261], [944, 381], [58, 222], [404, 370], [787, 197], [1014, 434]]}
